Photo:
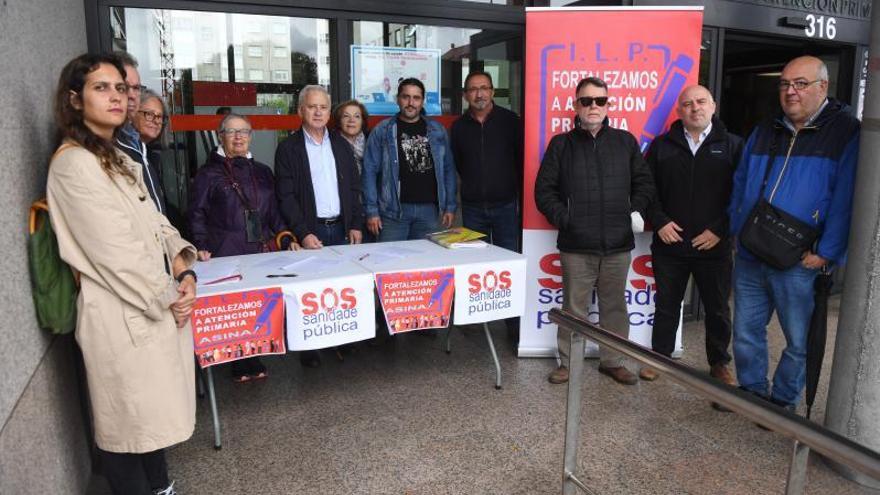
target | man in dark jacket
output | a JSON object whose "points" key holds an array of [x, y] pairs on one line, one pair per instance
{"points": [[594, 186], [693, 167], [128, 140], [317, 182], [487, 145], [812, 150]]}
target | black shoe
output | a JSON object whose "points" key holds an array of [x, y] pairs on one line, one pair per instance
{"points": [[240, 371], [310, 359], [256, 369]]}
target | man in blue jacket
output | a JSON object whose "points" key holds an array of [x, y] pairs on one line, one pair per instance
{"points": [[408, 172], [812, 150]]}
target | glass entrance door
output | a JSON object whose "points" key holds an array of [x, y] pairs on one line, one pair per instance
{"points": [[752, 66]]}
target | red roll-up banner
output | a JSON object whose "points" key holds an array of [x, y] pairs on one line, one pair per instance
{"points": [[646, 55]]}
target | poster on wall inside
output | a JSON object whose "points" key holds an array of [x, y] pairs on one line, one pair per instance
{"points": [[416, 300], [646, 55], [229, 327], [376, 71]]}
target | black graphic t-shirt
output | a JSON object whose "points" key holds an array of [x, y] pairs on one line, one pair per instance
{"points": [[418, 184]]}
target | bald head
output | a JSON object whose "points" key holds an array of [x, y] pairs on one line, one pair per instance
{"points": [[695, 108], [801, 104]]}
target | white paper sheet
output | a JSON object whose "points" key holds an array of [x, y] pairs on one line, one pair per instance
{"points": [[379, 254], [277, 261], [214, 272], [312, 266]]}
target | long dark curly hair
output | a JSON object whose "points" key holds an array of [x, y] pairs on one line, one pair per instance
{"points": [[70, 119]]}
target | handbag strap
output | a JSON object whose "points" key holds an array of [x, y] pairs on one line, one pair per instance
{"points": [[227, 167], [770, 159]]}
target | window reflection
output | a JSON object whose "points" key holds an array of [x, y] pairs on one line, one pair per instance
{"points": [[202, 61]]}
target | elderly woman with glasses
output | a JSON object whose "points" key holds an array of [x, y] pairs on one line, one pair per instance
{"points": [[150, 117], [233, 210]]}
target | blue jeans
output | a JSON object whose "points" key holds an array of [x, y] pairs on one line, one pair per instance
{"points": [[331, 235], [498, 222], [758, 291], [416, 221]]}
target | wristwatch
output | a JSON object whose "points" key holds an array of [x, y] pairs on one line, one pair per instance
{"points": [[180, 276]]}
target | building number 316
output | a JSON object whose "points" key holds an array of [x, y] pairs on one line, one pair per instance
{"points": [[819, 26]]}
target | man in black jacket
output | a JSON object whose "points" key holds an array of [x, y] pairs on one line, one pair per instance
{"points": [[693, 167], [128, 140], [594, 186], [487, 145], [317, 183], [316, 179]]}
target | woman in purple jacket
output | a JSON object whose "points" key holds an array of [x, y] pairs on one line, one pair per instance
{"points": [[233, 211]]}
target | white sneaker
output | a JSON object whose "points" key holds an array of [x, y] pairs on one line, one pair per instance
{"points": [[166, 491]]}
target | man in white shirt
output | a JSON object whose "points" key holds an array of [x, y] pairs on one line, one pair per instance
{"points": [[317, 183], [693, 166], [316, 179]]}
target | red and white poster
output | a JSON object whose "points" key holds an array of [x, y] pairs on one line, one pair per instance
{"points": [[329, 313], [646, 55], [416, 300], [489, 291], [228, 327]]}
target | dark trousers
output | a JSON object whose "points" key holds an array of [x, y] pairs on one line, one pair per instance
{"points": [[502, 227], [331, 235], [712, 276], [499, 222], [135, 474]]}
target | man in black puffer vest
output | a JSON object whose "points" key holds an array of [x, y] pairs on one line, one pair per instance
{"points": [[693, 166], [594, 186]]}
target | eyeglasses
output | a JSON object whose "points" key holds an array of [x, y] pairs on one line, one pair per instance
{"points": [[135, 88], [236, 132], [798, 85], [157, 118], [484, 89], [587, 101]]}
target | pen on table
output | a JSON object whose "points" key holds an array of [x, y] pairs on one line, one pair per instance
{"points": [[273, 275], [362, 258], [224, 279]]}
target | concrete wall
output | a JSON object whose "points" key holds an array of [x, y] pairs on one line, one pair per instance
{"points": [[43, 445]]}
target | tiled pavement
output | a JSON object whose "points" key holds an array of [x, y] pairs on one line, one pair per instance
{"points": [[410, 419]]}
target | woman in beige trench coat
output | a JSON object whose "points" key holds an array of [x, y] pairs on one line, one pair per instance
{"points": [[133, 323]]}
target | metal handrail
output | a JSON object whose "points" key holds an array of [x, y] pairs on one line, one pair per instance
{"points": [[828, 443]]}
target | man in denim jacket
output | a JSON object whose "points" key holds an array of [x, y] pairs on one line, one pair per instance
{"points": [[408, 172]]}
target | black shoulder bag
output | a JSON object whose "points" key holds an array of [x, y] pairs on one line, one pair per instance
{"points": [[773, 235]]}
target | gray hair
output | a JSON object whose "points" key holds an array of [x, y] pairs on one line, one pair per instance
{"points": [[230, 116], [148, 94], [126, 58], [822, 73], [310, 89]]}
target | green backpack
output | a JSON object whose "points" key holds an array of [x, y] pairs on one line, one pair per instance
{"points": [[53, 283]]}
